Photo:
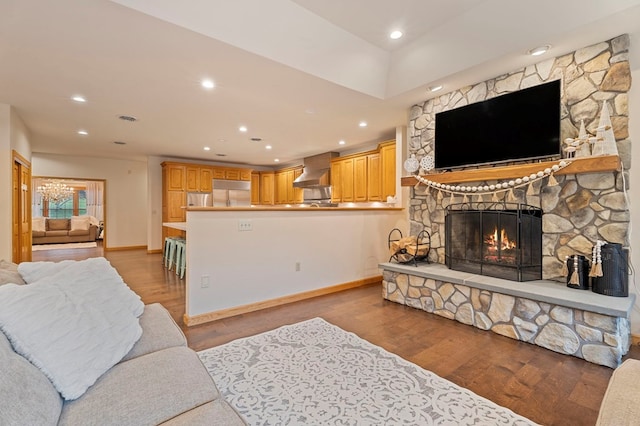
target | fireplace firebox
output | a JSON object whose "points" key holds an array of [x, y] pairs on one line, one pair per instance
{"points": [[502, 240]]}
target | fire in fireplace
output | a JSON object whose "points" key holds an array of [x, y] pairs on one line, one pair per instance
{"points": [[502, 240]]}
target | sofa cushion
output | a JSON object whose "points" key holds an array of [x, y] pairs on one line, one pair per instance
{"points": [[9, 273], [79, 223], [60, 233], [147, 390], [220, 410], [27, 397], [159, 331], [58, 224], [77, 232], [74, 325], [38, 224], [38, 234]]}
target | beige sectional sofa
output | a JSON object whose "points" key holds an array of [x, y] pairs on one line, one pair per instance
{"points": [[62, 231], [159, 381]]}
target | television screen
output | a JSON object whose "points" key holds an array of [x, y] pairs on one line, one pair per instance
{"points": [[515, 126]]}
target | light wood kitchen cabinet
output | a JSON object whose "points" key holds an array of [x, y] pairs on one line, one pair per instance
{"points": [[192, 174], [336, 181], [285, 192], [347, 180], [374, 177], [360, 178], [267, 188], [206, 179], [218, 173], [298, 193], [364, 176], [174, 177], [255, 188], [388, 169]]}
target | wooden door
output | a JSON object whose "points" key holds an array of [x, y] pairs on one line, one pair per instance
{"points": [[176, 200], [360, 178], [374, 177], [21, 209]]}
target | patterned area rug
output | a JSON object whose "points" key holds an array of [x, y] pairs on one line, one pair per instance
{"points": [[63, 246], [315, 373]]}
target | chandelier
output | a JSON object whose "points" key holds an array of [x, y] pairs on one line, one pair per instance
{"points": [[55, 191]]}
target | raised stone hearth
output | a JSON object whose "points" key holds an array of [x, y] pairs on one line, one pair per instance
{"points": [[580, 323]]}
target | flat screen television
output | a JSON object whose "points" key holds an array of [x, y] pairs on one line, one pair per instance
{"points": [[521, 125]]}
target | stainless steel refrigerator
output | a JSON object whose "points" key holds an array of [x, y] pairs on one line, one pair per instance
{"points": [[231, 193]]}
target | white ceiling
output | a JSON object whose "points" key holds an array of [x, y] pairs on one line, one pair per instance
{"points": [[300, 74]]}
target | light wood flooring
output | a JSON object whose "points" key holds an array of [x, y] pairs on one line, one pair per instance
{"points": [[544, 386]]}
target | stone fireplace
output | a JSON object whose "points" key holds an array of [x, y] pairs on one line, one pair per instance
{"points": [[501, 240], [583, 207]]}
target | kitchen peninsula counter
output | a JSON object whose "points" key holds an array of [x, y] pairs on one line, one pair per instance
{"points": [[292, 208], [241, 259]]}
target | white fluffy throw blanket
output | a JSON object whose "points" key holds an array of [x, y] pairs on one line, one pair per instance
{"points": [[74, 320]]}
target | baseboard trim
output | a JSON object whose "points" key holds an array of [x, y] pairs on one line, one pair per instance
{"points": [[154, 251], [122, 248], [238, 310]]}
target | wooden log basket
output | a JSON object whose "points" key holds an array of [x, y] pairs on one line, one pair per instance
{"points": [[408, 249]]}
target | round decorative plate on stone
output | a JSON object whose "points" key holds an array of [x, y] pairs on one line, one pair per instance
{"points": [[411, 164], [427, 163]]}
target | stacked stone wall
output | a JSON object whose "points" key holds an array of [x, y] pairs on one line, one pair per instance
{"points": [[597, 338], [582, 208]]}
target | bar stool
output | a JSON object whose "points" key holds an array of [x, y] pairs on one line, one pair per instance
{"points": [[181, 257], [169, 242]]}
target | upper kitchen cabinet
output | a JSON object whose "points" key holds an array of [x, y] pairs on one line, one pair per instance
{"points": [[388, 169], [284, 190], [267, 188], [364, 176], [174, 176], [255, 188]]}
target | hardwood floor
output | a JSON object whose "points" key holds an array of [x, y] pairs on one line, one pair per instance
{"points": [[544, 386]]}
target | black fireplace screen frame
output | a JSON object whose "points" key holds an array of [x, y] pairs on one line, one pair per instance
{"points": [[468, 249]]}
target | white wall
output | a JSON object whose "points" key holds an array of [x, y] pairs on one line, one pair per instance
{"points": [[333, 247], [13, 136], [126, 191], [634, 190]]}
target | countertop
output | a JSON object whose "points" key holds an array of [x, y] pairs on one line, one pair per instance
{"points": [[291, 208]]}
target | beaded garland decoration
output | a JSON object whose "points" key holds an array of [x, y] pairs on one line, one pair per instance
{"points": [[504, 186]]}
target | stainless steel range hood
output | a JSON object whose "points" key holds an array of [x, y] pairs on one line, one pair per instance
{"points": [[315, 169]]}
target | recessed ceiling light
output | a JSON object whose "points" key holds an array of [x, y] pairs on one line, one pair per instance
{"points": [[341, 143], [435, 88], [268, 147], [242, 128], [394, 35], [78, 98], [83, 132], [206, 148], [207, 84], [277, 160], [363, 124], [222, 140], [540, 50]]}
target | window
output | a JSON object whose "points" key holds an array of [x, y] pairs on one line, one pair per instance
{"points": [[75, 206]]}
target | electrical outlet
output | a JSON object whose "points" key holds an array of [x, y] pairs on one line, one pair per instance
{"points": [[297, 266], [245, 225], [204, 281]]}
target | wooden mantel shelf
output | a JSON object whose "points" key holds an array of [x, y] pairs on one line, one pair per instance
{"points": [[605, 163]]}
